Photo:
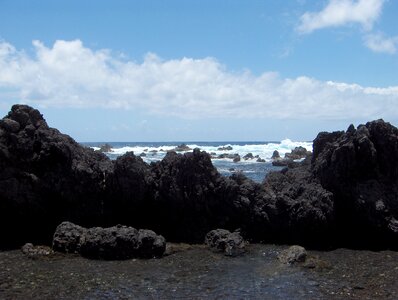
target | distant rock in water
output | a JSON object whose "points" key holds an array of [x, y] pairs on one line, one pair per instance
{"points": [[289, 159], [275, 155], [248, 156], [117, 242], [227, 148], [105, 148], [181, 148]]}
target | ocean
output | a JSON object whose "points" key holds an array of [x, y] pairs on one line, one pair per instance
{"points": [[156, 151]]}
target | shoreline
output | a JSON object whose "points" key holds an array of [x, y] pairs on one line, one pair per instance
{"points": [[192, 271]]}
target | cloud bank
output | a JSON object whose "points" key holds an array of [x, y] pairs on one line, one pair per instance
{"points": [[344, 12], [68, 74]]}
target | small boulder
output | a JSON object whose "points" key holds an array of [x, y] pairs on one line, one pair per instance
{"points": [[222, 240], [275, 155], [248, 156], [236, 158], [32, 251], [261, 160], [150, 244], [293, 255]]}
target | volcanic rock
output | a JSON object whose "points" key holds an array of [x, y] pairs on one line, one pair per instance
{"points": [[221, 240], [45, 177], [117, 242], [293, 254]]}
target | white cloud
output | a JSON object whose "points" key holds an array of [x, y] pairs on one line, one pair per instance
{"points": [[71, 75], [342, 12], [377, 42]]}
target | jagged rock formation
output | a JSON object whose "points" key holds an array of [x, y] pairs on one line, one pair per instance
{"points": [[347, 192], [45, 178], [360, 168]]}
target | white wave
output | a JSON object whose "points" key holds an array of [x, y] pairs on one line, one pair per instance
{"points": [[263, 151]]}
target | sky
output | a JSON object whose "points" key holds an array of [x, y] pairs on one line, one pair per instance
{"points": [[200, 70]]}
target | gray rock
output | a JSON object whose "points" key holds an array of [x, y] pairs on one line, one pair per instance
{"points": [[222, 240], [293, 255], [32, 251]]}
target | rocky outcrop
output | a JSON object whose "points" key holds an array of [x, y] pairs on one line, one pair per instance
{"points": [[360, 168], [117, 242], [224, 241], [45, 177], [347, 192]]}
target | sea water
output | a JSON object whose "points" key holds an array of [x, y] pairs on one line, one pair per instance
{"points": [[156, 151]]}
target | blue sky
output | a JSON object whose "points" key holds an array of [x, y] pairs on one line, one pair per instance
{"points": [[200, 70]]}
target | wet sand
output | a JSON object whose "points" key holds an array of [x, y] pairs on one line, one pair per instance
{"points": [[193, 272]]}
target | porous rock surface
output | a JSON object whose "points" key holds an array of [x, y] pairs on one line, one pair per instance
{"points": [[117, 242], [224, 241]]}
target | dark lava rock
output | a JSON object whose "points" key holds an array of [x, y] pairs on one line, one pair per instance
{"points": [[260, 160], [236, 158], [68, 237], [298, 153], [275, 155], [248, 156], [304, 210], [45, 178], [186, 193], [360, 167], [289, 159], [117, 242], [221, 240], [293, 254], [105, 148]]}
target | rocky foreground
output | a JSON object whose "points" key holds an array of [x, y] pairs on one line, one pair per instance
{"points": [[346, 194]]}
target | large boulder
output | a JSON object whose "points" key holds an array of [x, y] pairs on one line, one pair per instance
{"points": [[117, 242]]}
